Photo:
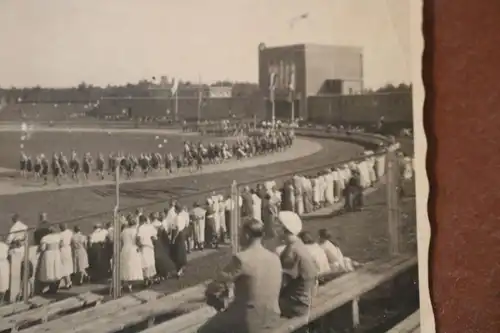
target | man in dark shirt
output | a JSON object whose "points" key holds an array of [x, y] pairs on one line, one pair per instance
{"points": [[247, 206], [42, 229]]}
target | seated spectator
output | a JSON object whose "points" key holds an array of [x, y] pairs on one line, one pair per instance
{"points": [[256, 274], [299, 270], [336, 259], [318, 254]]}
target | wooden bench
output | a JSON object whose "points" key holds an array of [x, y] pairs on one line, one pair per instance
{"points": [[113, 307], [45, 313], [345, 289], [14, 308], [410, 325], [146, 313]]}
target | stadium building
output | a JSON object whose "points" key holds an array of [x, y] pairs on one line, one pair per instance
{"points": [[305, 70]]}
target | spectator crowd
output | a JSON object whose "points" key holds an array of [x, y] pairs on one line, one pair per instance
{"points": [[154, 246]]}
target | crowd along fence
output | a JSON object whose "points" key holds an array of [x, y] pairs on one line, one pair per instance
{"points": [[24, 259]]}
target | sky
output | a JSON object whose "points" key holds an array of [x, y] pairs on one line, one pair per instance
{"points": [[60, 43]]}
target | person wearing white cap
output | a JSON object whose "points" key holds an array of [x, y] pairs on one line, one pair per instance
{"points": [[257, 278], [299, 269]]}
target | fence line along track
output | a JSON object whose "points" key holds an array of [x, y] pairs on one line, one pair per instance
{"points": [[360, 138]]}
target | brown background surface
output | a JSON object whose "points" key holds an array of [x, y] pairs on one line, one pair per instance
{"points": [[462, 120]]}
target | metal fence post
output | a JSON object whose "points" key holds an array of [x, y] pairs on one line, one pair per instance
{"points": [[234, 217], [26, 277], [394, 220], [116, 278]]}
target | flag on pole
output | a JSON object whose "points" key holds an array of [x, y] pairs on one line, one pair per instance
{"points": [[272, 84], [175, 86], [291, 83]]}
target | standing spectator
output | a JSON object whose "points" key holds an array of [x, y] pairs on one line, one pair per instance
{"points": [[50, 272], [198, 218], [15, 241], [247, 202], [178, 241], [130, 257], [66, 255], [146, 235], [42, 229], [4, 270], [79, 244]]}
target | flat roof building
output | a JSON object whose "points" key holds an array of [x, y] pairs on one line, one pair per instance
{"points": [[312, 70]]}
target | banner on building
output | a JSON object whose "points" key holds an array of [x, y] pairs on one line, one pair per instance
{"points": [[220, 92]]}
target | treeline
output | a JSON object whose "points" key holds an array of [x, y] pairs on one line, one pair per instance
{"points": [[87, 93]]}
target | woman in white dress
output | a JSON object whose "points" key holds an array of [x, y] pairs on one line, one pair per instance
{"points": [[50, 271], [316, 252], [336, 259], [130, 257], [4, 270], [79, 243], [146, 235], [256, 206], [66, 255]]}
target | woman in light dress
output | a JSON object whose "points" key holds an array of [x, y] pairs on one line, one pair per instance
{"points": [[50, 269], [4, 270], [130, 256], [146, 235], [66, 255], [317, 253], [336, 259], [79, 244]]}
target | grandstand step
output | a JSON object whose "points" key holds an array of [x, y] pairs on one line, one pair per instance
{"points": [[329, 296], [11, 309], [67, 323], [147, 295], [145, 313], [45, 313], [183, 323]]}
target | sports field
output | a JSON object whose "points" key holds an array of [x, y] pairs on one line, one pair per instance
{"points": [[90, 204]]}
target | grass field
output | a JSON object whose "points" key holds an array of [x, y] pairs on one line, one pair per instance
{"points": [[87, 205]]}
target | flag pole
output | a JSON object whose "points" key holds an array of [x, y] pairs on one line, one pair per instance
{"points": [[176, 104], [116, 283], [199, 99]]}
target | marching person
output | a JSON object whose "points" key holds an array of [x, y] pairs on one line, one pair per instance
{"points": [[256, 275]]}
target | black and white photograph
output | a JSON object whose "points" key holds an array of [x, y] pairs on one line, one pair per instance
{"points": [[241, 166]]}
